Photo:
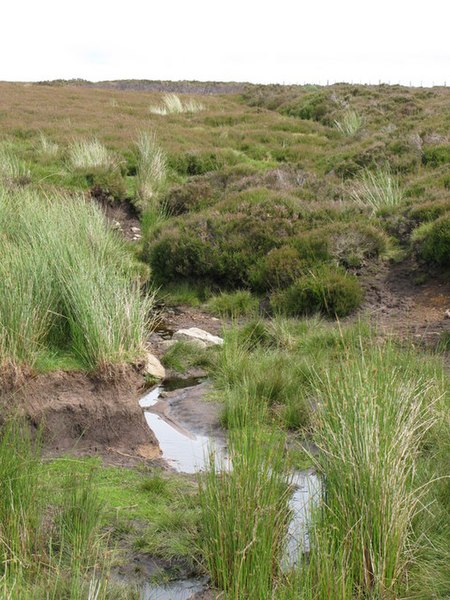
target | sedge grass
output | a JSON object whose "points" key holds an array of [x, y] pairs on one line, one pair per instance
{"points": [[66, 282], [172, 105], [151, 170], [350, 123], [47, 554], [245, 514], [374, 411], [376, 190], [89, 154]]}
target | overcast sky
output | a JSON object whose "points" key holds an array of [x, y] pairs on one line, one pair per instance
{"points": [[290, 41]]}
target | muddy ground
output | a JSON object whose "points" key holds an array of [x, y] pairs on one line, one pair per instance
{"points": [[85, 414]]}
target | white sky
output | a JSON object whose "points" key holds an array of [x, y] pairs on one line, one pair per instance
{"points": [[291, 41]]}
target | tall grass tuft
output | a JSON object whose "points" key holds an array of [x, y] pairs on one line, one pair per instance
{"points": [[172, 104], [66, 283], [12, 169], [46, 147], [376, 190], [245, 514], [374, 412], [151, 171], [350, 123], [47, 553], [19, 508], [89, 154]]}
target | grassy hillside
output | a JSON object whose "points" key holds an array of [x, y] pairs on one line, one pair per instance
{"points": [[290, 192], [292, 213]]}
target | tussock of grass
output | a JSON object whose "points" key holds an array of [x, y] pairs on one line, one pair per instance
{"points": [[350, 123], [89, 154], [172, 105], [245, 515], [374, 412], [65, 282], [151, 170], [12, 169], [376, 190], [47, 147]]}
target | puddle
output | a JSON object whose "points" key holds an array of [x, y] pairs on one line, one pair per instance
{"points": [[183, 450], [175, 590], [151, 398], [307, 492], [179, 383], [165, 332], [186, 452]]}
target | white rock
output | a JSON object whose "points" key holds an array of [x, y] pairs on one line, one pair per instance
{"points": [[136, 229], [447, 313], [200, 337], [166, 344], [153, 367]]}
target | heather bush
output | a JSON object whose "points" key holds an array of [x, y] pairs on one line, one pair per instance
{"points": [[223, 244], [428, 211], [191, 196], [351, 244]]}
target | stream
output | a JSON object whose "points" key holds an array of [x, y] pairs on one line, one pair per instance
{"points": [[187, 432]]}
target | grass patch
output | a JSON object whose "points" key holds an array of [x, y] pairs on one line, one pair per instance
{"points": [[65, 284], [172, 104], [349, 123], [376, 190], [151, 171], [244, 515], [233, 304]]}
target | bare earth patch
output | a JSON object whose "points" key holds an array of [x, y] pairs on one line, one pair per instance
{"points": [[86, 415]]}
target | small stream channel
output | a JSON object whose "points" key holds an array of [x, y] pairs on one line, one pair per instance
{"points": [[186, 444]]}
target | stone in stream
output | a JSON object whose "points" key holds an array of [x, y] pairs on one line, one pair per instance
{"points": [[199, 337], [153, 367]]}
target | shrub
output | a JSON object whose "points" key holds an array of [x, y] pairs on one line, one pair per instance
{"points": [[236, 304], [429, 211], [188, 197], [222, 245], [278, 269], [199, 163], [432, 241], [327, 290], [106, 184], [314, 106], [351, 243]]}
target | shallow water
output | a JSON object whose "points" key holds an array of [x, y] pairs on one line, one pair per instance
{"points": [[188, 452], [175, 590], [307, 492]]}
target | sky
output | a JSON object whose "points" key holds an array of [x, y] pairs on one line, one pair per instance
{"points": [[282, 41]]}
